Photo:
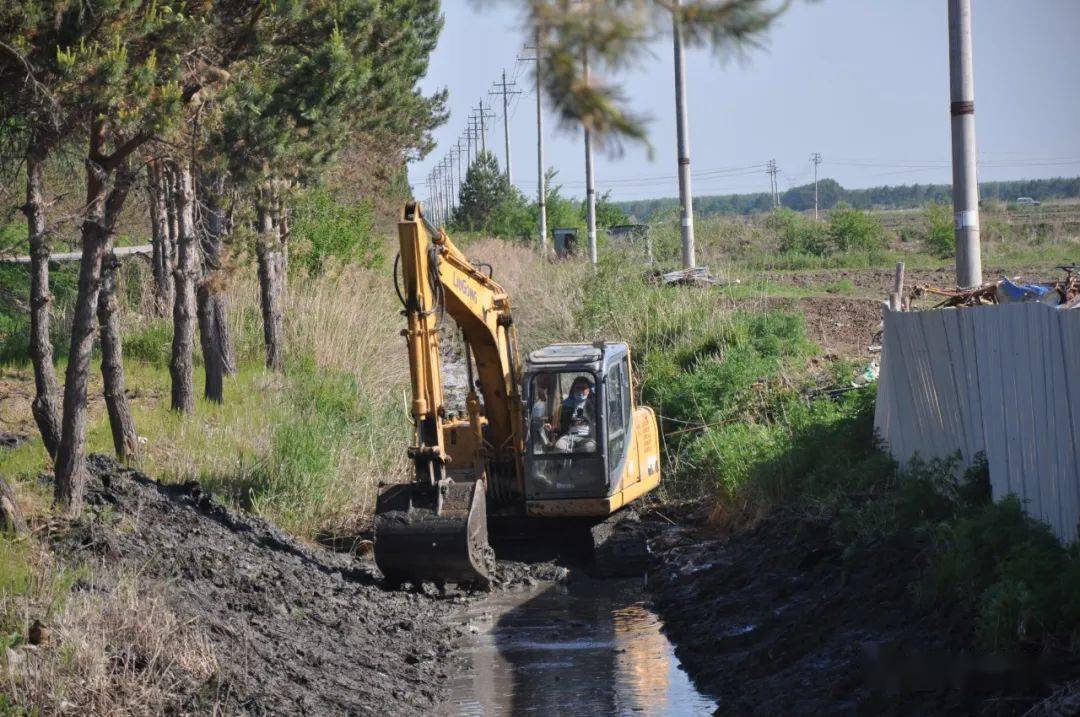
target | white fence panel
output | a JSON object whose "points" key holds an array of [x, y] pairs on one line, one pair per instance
{"points": [[1000, 380]]}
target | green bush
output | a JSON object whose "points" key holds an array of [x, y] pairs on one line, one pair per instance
{"points": [[14, 316], [844, 286], [1009, 570], [939, 239], [326, 229], [152, 344], [799, 234], [855, 230]]}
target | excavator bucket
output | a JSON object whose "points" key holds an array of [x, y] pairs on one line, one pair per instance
{"points": [[418, 540]]}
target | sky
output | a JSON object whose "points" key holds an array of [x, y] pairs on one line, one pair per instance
{"points": [[863, 82]]}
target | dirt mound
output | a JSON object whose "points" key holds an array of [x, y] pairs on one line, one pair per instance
{"points": [[297, 630], [779, 620], [843, 327]]}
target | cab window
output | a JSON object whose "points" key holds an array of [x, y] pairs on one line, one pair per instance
{"points": [[617, 398], [562, 415]]}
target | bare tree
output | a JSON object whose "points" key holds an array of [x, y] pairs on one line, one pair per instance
{"points": [[181, 366], [46, 404]]}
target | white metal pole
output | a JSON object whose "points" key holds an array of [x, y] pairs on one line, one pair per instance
{"points": [[964, 167], [541, 190], [686, 197], [590, 182]]}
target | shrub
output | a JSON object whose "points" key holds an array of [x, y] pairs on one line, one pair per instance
{"points": [[855, 230], [939, 239], [152, 344], [326, 229], [798, 234]]}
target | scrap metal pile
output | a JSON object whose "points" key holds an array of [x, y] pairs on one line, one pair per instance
{"points": [[1064, 294]]}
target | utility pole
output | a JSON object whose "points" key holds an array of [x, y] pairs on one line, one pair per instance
{"points": [[964, 167], [449, 187], [590, 180], [453, 175], [504, 89], [815, 159], [482, 115], [772, 170], [434, 198], [461, 177], [541, 190], [442, 194], [686, 197]]}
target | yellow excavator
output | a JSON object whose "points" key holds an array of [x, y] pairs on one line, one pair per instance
{"points": [[555, 437]]}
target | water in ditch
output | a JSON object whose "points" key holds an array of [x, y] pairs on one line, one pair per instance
{"points": [[589, 648]]}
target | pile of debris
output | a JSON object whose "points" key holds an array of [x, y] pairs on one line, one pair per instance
{"points": [[1064, 294], [697, 276]]}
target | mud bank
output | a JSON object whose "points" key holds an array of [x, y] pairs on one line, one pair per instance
{"points": [[296, 630], [781, 620]]}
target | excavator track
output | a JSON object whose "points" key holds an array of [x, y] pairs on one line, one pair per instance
{"points": [[419, 539]]}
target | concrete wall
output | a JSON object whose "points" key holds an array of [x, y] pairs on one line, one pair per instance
{"points": [[1003, 380]]}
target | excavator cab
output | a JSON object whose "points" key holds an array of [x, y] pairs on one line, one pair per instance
{"points": [[587, 446]]}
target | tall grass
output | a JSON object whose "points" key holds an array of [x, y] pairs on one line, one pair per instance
{"points": [[306, 449]]}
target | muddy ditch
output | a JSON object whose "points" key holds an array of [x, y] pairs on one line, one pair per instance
{"points": [[296, 629], [781, 619], [774, 620]]}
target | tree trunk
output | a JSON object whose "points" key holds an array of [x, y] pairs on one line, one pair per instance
{"points": [[172, 220], [100, 202], [183, 343], [281, 221], [271, 289], [218, 357], [125, 440], [163, 257], [46, 404]]}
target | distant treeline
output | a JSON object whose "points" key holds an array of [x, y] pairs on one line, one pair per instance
{"points": [[830, 193]]}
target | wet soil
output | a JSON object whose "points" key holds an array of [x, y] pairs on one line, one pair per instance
{"points": [[297, 630], [781, 619]]}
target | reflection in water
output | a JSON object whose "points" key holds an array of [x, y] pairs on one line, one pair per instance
{"points": [[593, 648]]}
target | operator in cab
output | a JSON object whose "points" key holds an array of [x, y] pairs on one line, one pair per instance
{"points": [[577, 418]]}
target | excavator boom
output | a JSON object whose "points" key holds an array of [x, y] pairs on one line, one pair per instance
{"points": [[435, 528]]}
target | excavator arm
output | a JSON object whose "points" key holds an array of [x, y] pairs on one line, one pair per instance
{"points": [[435, 528]]}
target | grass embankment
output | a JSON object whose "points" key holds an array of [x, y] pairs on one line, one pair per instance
{"points": [[732, 388], [305, 449]]}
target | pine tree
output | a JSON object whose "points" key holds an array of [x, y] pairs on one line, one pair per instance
{"points": [[487, 200]]}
